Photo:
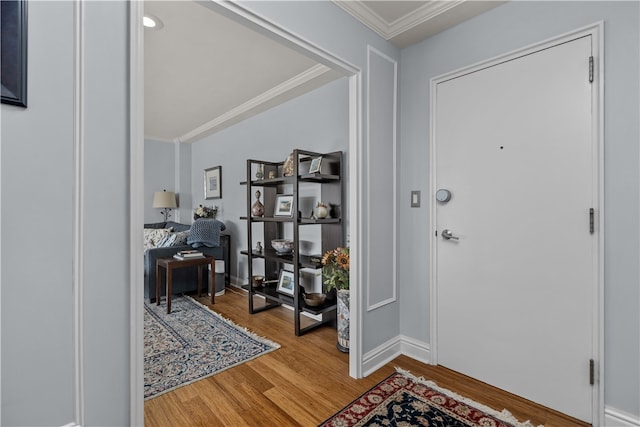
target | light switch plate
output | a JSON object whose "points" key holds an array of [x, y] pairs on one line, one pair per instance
{"points": [[415, 199]]}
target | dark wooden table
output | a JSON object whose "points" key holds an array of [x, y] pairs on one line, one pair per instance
{"points": [[169, 264]]}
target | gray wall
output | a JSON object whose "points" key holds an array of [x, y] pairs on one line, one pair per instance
{"points": [[167, 166], [37, 212], [159, 174], [508, 27], [37, 219]]}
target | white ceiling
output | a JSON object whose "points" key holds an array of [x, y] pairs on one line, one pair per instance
{"points": [[205, 72]]}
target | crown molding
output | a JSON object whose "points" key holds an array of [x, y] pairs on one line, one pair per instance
{"points": [[389, 30], [257, 104], [423, 14]]}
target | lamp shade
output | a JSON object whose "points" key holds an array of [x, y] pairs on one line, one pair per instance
{"points": [[164, 199]]}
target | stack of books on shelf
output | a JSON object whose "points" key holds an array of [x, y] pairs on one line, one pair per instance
{"points": [[182, 255]]}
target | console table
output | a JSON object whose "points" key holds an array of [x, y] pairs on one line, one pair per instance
{"points": [[169, 264]]}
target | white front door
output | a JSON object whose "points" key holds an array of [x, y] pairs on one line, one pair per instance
{"points": [[516, 283]]}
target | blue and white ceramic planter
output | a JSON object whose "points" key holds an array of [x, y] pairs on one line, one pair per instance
{"points": [[344, 318]]}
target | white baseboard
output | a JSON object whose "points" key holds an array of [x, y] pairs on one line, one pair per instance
{"points": [[381, 355], [415, 349], [616, 418], [386, 352]]}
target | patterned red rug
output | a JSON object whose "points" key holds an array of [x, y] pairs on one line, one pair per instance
{"points": [[405, 400]]}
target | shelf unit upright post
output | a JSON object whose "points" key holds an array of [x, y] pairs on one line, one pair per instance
{"points": [[329, 178], [270, 231]]}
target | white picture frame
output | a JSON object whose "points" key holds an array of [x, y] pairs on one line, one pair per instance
{"points": [[284, 205], [315, 165], [286, 283]]}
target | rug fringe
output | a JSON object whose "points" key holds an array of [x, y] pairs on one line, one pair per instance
{"points": [[503, 415]]}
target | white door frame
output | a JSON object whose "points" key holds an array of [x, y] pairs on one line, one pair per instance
{"points": [[596, 30], [136, 213]]}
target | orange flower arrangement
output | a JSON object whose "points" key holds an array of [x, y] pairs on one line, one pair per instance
{"points": [[336, 268]]}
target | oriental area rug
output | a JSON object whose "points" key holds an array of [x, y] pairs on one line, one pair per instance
{"points": [[405, 400], [191, 343]]}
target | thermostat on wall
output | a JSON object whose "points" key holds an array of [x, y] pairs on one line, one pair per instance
{"points": [[443, 195]]}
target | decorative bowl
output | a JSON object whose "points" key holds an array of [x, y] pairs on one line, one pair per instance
{"points": [[313, 300], [282, 246], [257, 281]]}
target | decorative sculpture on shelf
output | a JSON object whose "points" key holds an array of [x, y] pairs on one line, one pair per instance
{"points": [[287, 168], [257, 209], [322, 210]]}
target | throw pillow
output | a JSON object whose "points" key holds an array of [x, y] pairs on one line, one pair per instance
{"points": [[153, 235], [165, 241], [180, 238], [174, 239], [205, 232]]}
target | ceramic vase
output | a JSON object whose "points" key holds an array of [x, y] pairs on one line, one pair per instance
{"points": [[321, 212], [257, 209], [344, 318]]}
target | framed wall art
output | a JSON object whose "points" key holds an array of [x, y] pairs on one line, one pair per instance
{"points": [[284, 205], [13, 48], [213, 183], [286, 283]]}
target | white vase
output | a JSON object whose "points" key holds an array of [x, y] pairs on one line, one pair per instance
{"points": [[344, 318], [321, 212]]}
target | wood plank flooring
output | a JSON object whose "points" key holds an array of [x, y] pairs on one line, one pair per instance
{"points": [[304, 382]]}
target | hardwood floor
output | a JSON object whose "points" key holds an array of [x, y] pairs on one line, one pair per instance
{"points": [[304, 382]]}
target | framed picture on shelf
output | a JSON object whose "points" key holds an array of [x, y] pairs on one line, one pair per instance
{"points": [[213, 183], [286, 283], [284, 205], [315, 165]]}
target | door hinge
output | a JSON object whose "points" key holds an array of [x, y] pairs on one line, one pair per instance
{"points": [[591, 69], [591, 221], [592, 372]]}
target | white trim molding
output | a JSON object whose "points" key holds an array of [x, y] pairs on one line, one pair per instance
{"points": [[389, 30], [355, 225], [370, 200], [616, 418], [425, 19], [136, 216], [381, 355], [386, 352], [78, 208]]}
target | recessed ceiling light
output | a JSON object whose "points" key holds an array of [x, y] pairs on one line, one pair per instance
{"points": [[150, 21]]}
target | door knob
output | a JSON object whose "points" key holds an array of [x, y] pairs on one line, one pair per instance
{"points": [[447, 235]]}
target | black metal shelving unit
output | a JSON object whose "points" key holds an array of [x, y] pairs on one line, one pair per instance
{"points": [[329, 181]]}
